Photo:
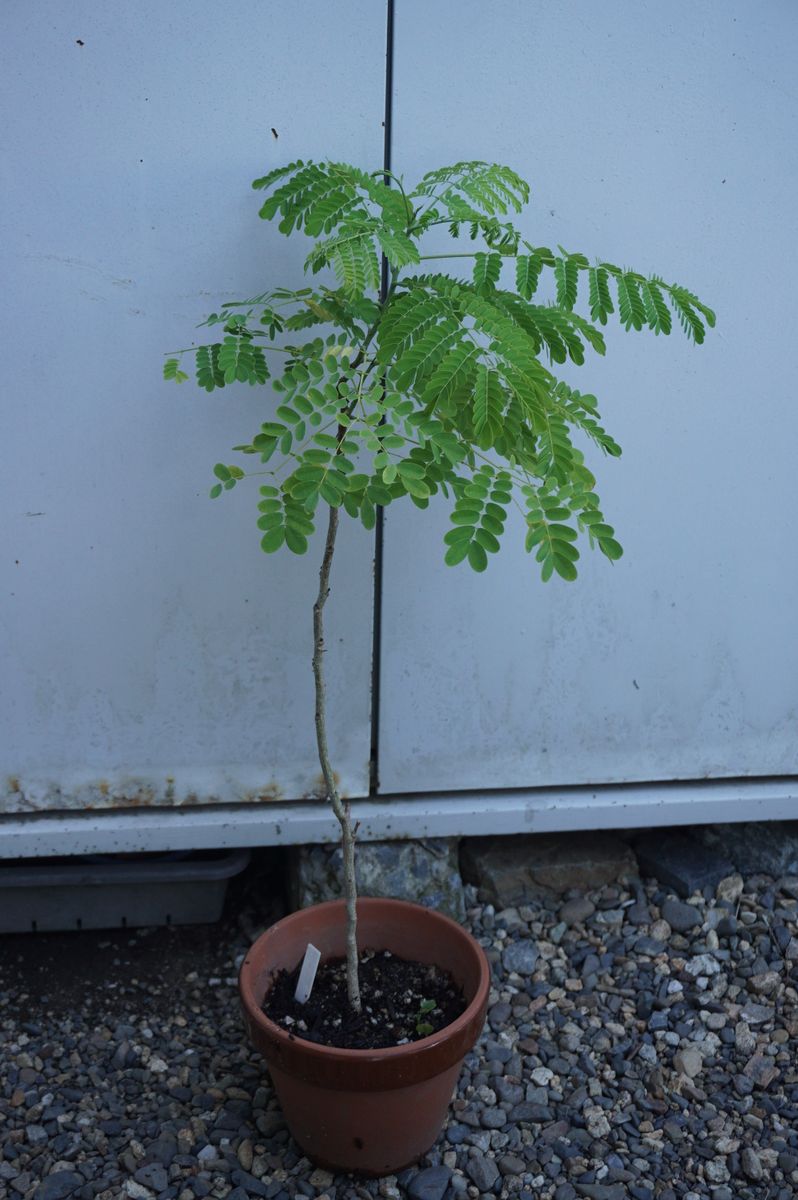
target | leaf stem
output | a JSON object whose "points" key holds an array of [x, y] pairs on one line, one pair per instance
{"points": [[397, 180], [473, 254], [207, 345]]}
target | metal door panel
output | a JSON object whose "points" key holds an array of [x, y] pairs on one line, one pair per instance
{"points": [[151, 653], [661, 138]]}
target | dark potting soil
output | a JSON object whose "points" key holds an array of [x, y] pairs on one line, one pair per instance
{"points": [[402, 1001]]}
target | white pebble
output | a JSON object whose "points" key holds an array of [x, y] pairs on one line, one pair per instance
{"points": [[542, 1076]]}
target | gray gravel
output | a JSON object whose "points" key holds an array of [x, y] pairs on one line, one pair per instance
{"points": [[635, 1048]]}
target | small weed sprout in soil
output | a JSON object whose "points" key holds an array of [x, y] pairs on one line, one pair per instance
{"points": [[402, 1001], [423, 1027], [417, 381]]}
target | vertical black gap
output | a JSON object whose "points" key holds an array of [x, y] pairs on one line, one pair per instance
{"points": [[376, 648]]}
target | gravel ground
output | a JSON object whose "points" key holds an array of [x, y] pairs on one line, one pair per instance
{"points": [[637, 1046]]}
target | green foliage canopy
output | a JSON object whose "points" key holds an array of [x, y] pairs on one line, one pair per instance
{"points": [[435, 382]]}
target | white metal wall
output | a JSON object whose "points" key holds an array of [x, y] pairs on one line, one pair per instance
{"points": [[151, 653], [661, 137]]}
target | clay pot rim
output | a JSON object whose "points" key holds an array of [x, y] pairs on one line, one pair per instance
{"points": [[340, 1054]]}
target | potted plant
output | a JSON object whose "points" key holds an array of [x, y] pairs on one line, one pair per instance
{"points": [[402, 378]]}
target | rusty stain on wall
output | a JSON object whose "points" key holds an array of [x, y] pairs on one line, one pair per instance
{"points": [[127, 793], [268, 794], [318, 789]]}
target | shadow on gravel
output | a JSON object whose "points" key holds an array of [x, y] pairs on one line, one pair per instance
{"points": [[59, 972]]}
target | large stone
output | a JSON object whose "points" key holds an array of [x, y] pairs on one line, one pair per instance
{"points": [[756, 1014], [680, 916], [482, 1171], [689, 1062], [751, 1165], [702, 964], [597, 1124], [424, 871], [251, 1185], [530, 1112], [511, 1164], [602, 1191], [161, 1151], [576, 911], [765, 982], [429, 1184], [756, 847], [137, 1191], [744, 1039], [730, 889], [760, 1068], [59, 1185], [153, 1176], [520, 957], [681, 862], [509, 871]]}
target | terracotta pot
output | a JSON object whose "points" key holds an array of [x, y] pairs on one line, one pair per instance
{"points": [[369, 1111]]}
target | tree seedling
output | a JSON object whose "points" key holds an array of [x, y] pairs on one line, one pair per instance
{"points": [[426, 375]]}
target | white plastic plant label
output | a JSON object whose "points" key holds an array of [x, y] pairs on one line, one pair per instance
{"points": [[307, 976]]}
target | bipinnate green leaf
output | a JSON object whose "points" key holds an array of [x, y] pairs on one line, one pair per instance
{"points": [[487, 269], [566, 273], [239, 360], [443, 385], [278, 173], [600, 299], [488, 187], [599, 532], [273, 539], [527, 274], [171, 370], [582, 411], [657, 312], [548, 535], [451, 383], [420, 360], [404, 318], [688, 308], [478, 519], [630, 303], [397, 247], [209, 373], [489, 401]]}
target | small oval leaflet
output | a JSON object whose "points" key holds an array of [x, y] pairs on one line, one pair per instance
{"points": [[307, 976]]}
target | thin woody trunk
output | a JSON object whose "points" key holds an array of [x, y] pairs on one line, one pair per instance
{"points": [[340, 807]]}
